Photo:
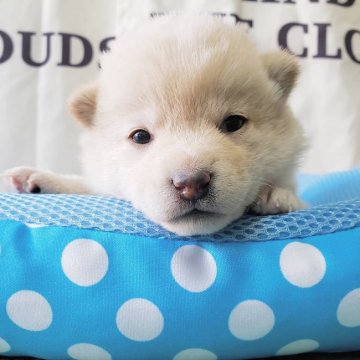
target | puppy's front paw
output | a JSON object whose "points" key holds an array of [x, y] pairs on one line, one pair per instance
{"points": [[25, 180], [276, 200]]}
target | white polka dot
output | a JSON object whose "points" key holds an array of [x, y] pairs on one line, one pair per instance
{"points": [[139, 320], [251, 320], [298, 347], [348, 311], [29, 310], [85, 262], [303, 265], [4, 346], [193, 268], [88, 352], [195, 354]]}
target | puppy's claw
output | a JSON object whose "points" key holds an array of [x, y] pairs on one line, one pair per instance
{"points": [[276, 200], [15, 184], [35, 190], [22, 180]]}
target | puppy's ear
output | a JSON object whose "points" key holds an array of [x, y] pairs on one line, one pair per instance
{"points": [[82, 104], [283, 68]]}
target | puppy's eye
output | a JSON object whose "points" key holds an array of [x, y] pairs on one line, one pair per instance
{"points": [[140, 136], [233, 123]]}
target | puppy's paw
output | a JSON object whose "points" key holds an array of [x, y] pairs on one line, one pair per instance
{"points": [[27, 180], [276, 200]]}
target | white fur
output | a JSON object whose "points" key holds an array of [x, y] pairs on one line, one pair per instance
{"points": [[178, 77]]}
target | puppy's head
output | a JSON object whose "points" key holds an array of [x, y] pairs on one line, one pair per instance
{"points": [[188, 122]]}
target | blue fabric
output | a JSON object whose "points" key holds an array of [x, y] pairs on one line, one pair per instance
{"points": [[98, 281], [331, 188]]}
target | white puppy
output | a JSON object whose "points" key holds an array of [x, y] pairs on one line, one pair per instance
{"points": [[189, 123]]}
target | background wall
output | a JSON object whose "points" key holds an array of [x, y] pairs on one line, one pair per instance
{"points": [[50, 47]]}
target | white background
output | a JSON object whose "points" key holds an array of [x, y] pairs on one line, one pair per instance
{"points": [[36, 130]]}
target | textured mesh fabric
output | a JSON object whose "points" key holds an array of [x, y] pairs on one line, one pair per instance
{"points": [[110, 214]]}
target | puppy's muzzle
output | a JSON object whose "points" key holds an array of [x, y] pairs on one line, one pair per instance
{"points": [[192, 186]]}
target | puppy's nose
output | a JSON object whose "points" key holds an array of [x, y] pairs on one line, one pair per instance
{"points": [[192, 186]]}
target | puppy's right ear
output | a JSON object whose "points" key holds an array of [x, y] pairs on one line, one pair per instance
{"points": [[283, 69], [82, 104]]}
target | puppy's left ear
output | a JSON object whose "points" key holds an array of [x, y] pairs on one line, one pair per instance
{"points": [[282, 68], [82, 105]]}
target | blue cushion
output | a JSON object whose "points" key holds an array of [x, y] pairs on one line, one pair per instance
{"points": [[87, 277]]}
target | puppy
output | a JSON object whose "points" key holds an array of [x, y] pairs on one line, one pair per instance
{"points": [[189, 123]]}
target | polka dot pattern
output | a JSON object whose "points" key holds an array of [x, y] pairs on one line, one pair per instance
{"points": [[195, 354], [193, 268], [119, 295], [348, 312], [298, 347], [88, 352], [251, 320], [140, 320], [4, 346], [84, 262], [303, 265], [29, 310]]}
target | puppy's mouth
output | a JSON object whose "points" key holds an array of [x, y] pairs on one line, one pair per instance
{"points": [[195, 214]]}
